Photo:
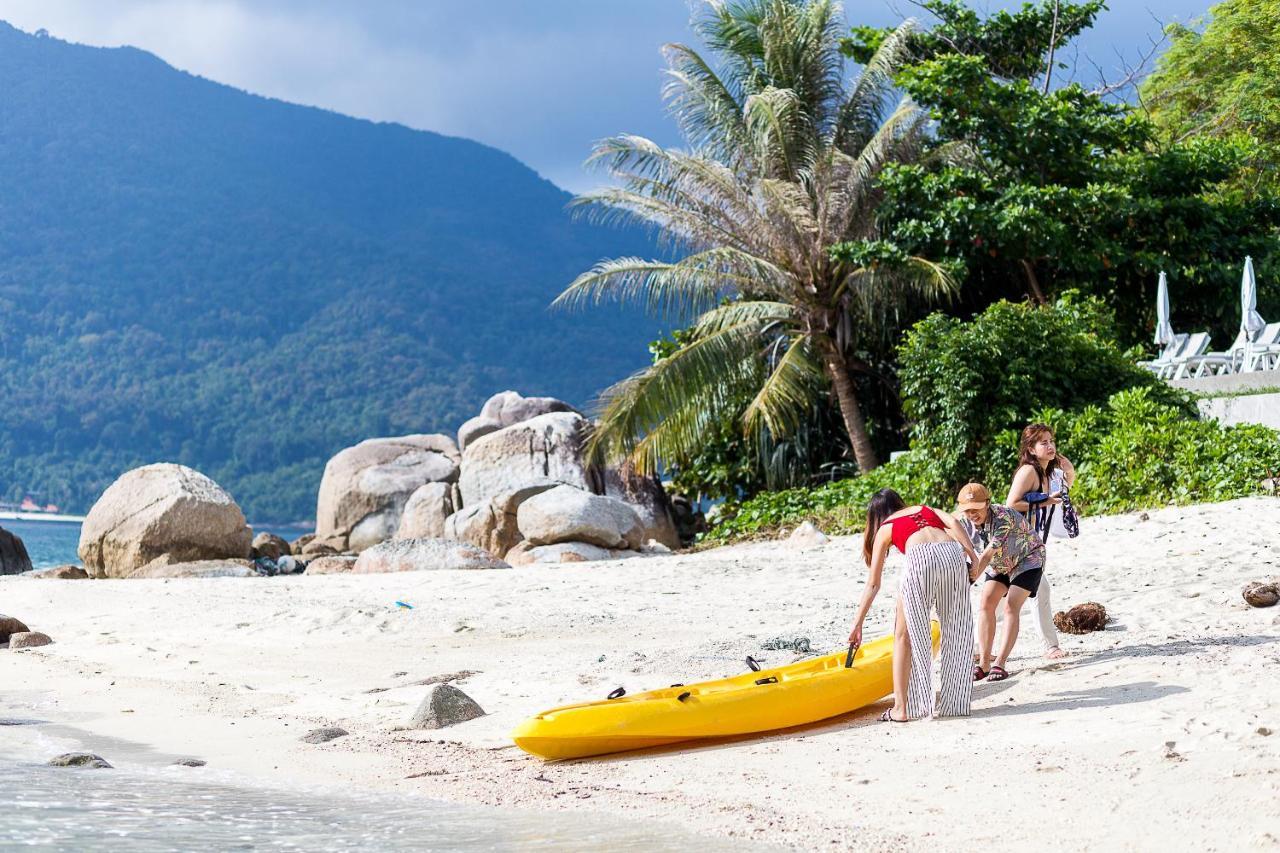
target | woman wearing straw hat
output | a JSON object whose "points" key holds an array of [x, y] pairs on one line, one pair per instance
{"points": [[1013, 559]]}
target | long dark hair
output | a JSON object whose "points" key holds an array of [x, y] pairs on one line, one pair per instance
{"points": [[1027, 451], [884, 503]]}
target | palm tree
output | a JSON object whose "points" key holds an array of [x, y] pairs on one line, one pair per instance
{"points": [[785, 155]]}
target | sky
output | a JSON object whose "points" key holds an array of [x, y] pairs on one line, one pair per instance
{"points": [[540, 79]]}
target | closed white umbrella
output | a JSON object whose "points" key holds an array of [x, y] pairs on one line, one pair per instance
{"points": [[1251, 321], [1164, 331]]}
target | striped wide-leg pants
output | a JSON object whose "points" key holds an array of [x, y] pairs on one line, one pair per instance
{"points": [[935, 578]]}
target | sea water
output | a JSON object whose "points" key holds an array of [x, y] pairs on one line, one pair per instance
{"points": [[54, 543], [144, 803]]}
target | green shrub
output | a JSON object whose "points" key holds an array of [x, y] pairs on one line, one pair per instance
{"points": [[1137, 451], [966, 385]]}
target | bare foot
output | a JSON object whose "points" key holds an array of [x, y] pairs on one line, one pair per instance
{"points": [[1055, 653]]}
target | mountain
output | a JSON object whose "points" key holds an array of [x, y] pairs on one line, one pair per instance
{"points": [[192, 273]]}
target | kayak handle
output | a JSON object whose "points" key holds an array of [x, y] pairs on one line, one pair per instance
{"points": [[753, 664], [773, 679], [618, 694], [683, 696], [848, 659]]}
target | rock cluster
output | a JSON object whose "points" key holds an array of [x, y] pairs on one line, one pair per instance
{"points": [[520, 485], [517, 482]]}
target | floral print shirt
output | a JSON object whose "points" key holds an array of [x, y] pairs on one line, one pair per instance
{"points": [[1017, 547]]}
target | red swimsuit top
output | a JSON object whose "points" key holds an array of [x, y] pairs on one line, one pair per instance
{"points": [[905, 525]]}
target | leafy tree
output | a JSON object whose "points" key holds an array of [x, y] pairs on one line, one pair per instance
{"points": [[1223, 78], [787, 153], [969, 387], [1064, 188]]}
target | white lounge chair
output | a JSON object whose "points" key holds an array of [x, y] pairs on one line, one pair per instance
{"points": [[1167, 355], [1222, 363], [1264, 352], [1197, 345]]}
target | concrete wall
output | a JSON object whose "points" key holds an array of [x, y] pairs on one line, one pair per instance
{"points": [[1232, 382], [1251, 409]]}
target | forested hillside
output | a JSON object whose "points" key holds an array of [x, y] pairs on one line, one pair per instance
{"points": [[191, 273]]}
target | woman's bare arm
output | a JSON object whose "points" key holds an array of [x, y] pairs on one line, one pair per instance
{"points": [[1024, 480], [879, 550], [1068, 471]]}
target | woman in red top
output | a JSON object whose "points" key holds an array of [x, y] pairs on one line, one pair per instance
{"points": [[935, 546]]}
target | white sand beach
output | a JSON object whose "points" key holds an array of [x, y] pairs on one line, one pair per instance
{"points": [[1161, 732]]}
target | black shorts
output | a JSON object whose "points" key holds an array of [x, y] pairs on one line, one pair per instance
{"points": [[1028, 580]]}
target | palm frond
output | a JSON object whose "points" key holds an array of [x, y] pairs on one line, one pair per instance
{"points": [[784, 398], [863, 111]]}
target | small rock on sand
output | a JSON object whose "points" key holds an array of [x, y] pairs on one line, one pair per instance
{"points": [[190, 762], [28, 640], [807, 536], [332, 565], [79, 759], [323, 735], [9, 625], [445, 705], [66, 573], [1258, 594]]}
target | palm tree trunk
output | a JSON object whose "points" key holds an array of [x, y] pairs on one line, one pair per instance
{"points": [[838, 373]]}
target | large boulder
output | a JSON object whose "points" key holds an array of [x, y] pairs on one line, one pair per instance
{"points": [[545, 450], [475, 428], [566, 514], [425, 512], [510, 407], [418, 555], [646, 496], [493, 525], [159, 514], [365, 488], [13, 554]]}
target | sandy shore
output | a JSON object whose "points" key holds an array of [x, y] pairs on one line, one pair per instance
{"points": [[1150, 735]]}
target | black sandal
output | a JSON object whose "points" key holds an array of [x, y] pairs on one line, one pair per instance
{"points": [[887, 717]]}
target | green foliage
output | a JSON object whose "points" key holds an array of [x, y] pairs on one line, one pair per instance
{"points": [[1222, 79], [1138, 451], [966, 384], [782, 271], [190, 273], [838, 507], [1062, 188], [1135, 451]]}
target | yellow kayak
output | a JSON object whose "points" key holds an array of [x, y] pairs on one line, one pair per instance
{"points": [[762, 701]]}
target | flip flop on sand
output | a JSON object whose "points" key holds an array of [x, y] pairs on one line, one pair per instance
{"points": [[978, 673], [998, 673], [1055, 653], [888, 717]]}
